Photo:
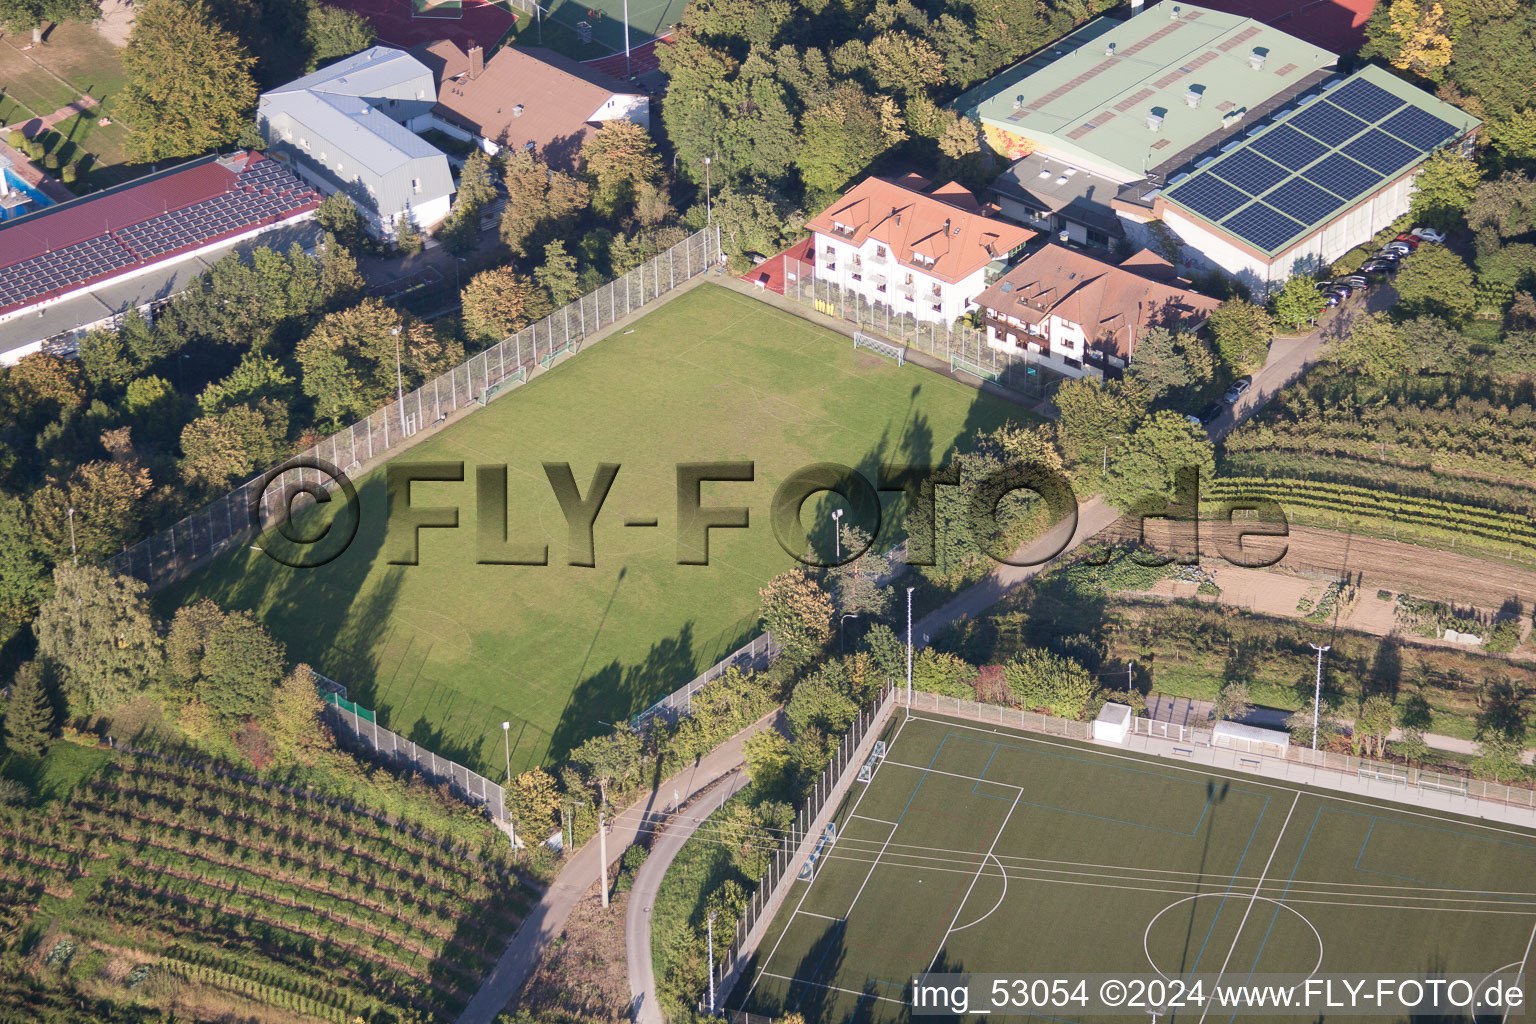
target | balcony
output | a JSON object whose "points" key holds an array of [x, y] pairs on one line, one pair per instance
{"points": [[877, 259]]}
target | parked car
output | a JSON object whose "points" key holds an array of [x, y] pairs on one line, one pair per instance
{"points": [[1430, 235], [1409, 240], [1331, 299], [1400, 248], [1192, 419], [1357, 281], [1211, 413], [1381, 265], [1238, 389]]}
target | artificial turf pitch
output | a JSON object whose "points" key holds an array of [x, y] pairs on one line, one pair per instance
{"points": [[981, 850], [448, 649]]}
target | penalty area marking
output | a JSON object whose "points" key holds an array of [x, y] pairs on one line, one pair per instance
{"points": [[1001, 871]]}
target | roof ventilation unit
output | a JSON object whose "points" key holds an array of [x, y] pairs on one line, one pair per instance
{"points": [[1109, 50], [1018, 102], [517, 111], [1256, 59], [1192, 97], [1173, 13], [1154, 122]]}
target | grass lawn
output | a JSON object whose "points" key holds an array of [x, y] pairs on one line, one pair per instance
{"points": [[448, 649], [60, 770], [984, 851], [12, 110]]}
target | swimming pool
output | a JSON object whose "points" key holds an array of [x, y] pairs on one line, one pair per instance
{"points": [[38, 199]]}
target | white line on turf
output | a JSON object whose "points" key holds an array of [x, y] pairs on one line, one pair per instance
{"points": [[1254, 898], [1019, 792], [1523, 961], [803, 896], [865, 817], [1214, 773], [983, 917], [830, 988], [812, 913]]}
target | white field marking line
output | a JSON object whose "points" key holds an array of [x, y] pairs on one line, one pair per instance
{"points": [[803, 896], [831, 988], [881, 821], [1247, 780], [1523, 961], [964, 899], [1254, 898], [999, 902], [812, 913]]}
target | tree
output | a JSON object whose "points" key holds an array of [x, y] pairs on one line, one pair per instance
{"points": [[1093, 416], [1142, 474], [769, 761], [1166, 361], [1443, 189], [1233, 702], [1242, 332], [225, 448], [534, 801], [1300, 725], [29, 712], [944, 673], [1041, 679], [408, 236], [98, 629], [1436, 281], [608, 760], [348, 360], [1506, 203], [332, 32], [108, 506], [24, 577], [476, 187], [557, 274], [855, 584], [1298, 303], [1373, 346], [22, 15], [1374, 723], [1432, 345], [798, 614], [338, 214], [619, 158], [495, 303], [187, 640], [1500, 758], [44, 388], [242, 664], [189, 88], [257, 379], [840, 138], [541, 203], [107, 361], [903, 63]]}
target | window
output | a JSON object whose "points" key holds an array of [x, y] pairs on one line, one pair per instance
{"points": [[879, 250], [420, 94], [829, 250], [416, 185], [1098, 239]]}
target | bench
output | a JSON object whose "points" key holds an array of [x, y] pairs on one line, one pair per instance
{"points": [[1250, 762], [1184, 751]]}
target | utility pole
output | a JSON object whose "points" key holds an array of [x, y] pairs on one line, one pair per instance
{"points": [[837, 540], [909, 650], [399, 380], [711, 963], [602, 838], [709, 217], [73, 554], [506, 736], [1317, 698], [627, 74]]}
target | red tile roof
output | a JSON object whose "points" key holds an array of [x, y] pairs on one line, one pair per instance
{"points": [[947, 225], [1111, 304], [91, 239]]}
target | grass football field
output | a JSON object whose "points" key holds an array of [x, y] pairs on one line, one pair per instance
{"points": [[981, 850], [448, 649]]}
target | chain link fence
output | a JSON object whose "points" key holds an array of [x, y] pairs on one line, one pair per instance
{"points": [[755, 656], [797, 844], [370, 441], [963, 347]]}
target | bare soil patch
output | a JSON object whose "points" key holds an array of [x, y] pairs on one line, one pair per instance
{"points": [[584, 972]]}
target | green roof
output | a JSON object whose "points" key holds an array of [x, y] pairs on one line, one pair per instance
{"points": [[1288, 179], [1094, 105]]}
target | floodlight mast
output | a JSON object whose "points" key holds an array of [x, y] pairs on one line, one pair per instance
{"points": [[909, 650], [1317, 697]]}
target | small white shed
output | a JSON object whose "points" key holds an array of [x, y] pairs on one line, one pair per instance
{"points": [[1112, 724], [1250, 739]]}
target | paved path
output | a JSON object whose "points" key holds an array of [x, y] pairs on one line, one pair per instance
{"points": [[547, 919], [642, 898], [32, 125]]}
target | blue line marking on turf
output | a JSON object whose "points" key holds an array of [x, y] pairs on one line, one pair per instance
{"points": [[1230, 883], [1508, 898]]}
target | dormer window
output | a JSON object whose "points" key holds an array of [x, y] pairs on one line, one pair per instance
{"points": [[919, 258]]}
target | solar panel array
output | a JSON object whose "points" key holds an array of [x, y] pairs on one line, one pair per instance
{"points": [[260, 194], [1304, 169]]}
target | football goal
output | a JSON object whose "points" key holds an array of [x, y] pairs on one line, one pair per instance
{"points": [[828, 835], [517, 376], [959, 364], [879, 346]]}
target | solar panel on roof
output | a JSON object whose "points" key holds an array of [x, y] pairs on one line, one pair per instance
{"points": [[1288, 147], [1250, 172], [1381, 152], [1327, 123], [1418, 128], [1262, 226], [1365, 99], [1303, 200], [1208, 196]]}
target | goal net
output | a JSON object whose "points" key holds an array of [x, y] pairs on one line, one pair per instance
{"points": [[879, 346], [828, 836]]}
